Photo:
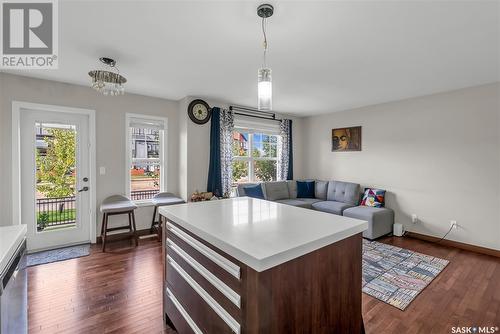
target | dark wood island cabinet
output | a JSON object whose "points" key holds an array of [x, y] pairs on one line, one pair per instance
{"points": [[251, 266]]}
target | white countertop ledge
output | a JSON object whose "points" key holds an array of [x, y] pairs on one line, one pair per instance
{"points": [[259, 233], [10, 239]]}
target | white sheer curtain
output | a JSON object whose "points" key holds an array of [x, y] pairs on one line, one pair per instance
{"points": [[226, 150], [284, 149]]}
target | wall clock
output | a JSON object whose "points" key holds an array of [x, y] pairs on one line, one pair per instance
{"points": [[199, 111]]}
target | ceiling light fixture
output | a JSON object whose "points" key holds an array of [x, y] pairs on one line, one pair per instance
{"points": [[108, 82], [264, 80]]}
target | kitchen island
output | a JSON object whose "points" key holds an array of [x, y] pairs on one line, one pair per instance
{"points": [[13, 279], [245, 265]]}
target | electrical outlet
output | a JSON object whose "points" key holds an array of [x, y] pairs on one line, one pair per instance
{"points": [[414, 218], [453, 224]]}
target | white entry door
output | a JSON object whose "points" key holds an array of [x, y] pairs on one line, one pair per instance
{"points": [[55, 165]]}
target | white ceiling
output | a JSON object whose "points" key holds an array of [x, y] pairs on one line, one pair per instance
{"points": [[325, 56]]}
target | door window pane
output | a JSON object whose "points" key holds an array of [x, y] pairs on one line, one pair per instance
{"points": [[56, 173]]}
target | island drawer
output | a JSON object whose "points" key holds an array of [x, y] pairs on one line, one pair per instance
{"points": [[216, 262], [226, 296], [179, 315], [204, 309]]}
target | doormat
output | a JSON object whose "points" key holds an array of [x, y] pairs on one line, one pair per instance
{"points": [[59, 254]]}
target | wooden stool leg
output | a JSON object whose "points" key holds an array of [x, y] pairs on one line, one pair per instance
{"points": [[153, 221], [135, 230], [130, 226], [105, 229], [130, 221], [102, 225], [160, 226]]}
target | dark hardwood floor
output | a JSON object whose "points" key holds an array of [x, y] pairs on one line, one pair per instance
{"points": [[114, 292], [120, 292]]}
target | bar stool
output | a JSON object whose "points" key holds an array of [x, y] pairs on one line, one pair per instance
{"points": [[162, 199], [117, 205]]}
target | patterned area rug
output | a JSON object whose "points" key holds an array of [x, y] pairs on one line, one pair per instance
{"points": [[396, 275], [60, 254]]}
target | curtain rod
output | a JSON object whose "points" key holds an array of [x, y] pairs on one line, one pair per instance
{"points": [[261, 117], [249, 112]]}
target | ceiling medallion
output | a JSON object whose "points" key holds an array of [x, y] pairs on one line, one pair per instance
{"points": [[108, 81]]}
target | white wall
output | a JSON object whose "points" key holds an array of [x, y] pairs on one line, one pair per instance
{"points": [[110, 128], [438, 156]]}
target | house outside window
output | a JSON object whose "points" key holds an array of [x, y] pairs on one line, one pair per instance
{"points": [[146, 156]]}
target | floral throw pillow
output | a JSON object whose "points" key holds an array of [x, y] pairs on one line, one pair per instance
{"points": [[374, 198]]}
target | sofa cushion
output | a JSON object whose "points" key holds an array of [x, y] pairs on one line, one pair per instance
{"points": [[254, 191], [309, 201], [295, 202], [364, 212], [241, 189], [346, 192], [320, 190], [277, 190], [292, 187], [331, 207], [305, 189], [380, 220]]}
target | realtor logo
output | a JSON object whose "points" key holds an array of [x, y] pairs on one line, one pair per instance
{"points": [[29, 34]]}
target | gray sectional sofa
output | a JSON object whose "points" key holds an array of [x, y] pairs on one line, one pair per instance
{"points": [[336, 197]]}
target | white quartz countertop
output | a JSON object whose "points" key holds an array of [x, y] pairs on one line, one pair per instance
{"points": [[259, 233], [10, 238]]}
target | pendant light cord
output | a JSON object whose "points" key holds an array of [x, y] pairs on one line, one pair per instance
{"points": [[265, 41]]}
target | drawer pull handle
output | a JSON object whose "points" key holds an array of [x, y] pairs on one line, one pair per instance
{"points": [[214, 280], [183, 312], [221, 312], [212, 255]]}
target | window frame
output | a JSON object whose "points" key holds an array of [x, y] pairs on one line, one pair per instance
{"points": [[250, 159], [162, 154]]}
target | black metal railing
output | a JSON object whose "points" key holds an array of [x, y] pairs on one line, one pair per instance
{"points": [[52, 212], [143, 194]]}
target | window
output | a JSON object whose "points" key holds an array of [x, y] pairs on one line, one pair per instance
{"points": [[145, 149], [255, 157]]}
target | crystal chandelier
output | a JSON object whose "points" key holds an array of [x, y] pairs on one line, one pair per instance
{"points": [[264, 79], [108, 82]]}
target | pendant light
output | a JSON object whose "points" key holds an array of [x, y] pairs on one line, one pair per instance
{"points": [[264, 78]]}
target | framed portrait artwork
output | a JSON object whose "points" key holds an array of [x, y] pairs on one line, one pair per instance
{"points": [[346, 139]]}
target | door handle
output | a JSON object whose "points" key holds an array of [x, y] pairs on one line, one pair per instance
{"points": [[83, 189]]}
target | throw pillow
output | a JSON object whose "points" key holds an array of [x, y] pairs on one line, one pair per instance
{"points": [[374, 198], [254, 191], [305, 189]]}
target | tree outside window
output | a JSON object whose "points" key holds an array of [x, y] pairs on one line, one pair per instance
{"points": [[56, 163]]}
